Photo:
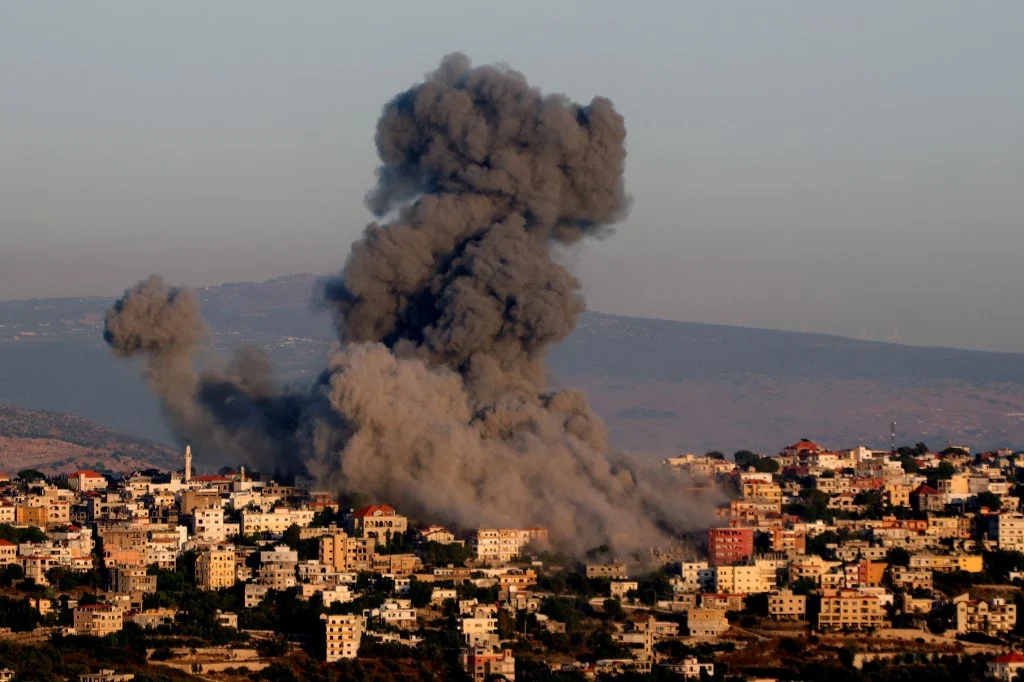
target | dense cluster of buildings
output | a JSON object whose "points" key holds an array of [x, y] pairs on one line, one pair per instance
{"points": [[839, 541]]}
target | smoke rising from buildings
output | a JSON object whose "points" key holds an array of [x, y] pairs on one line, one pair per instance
{"points": [[436, 399]]}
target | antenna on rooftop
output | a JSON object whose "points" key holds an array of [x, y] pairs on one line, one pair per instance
{"points": [[895, 338], [892, 437], [864, 333]]}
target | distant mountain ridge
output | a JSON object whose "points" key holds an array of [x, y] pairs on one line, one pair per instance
{"points": [[662, 386], [52, 441]]}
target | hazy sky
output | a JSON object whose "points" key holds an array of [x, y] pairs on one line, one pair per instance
{"points": [[834, 164]]}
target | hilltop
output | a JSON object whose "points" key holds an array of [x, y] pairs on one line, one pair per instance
{"points": [[53, 442], [663, 386]]}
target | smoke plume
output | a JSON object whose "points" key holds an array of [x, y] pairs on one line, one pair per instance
{"points": [[436, 400]]}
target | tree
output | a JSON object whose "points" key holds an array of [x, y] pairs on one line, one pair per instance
{"points": [[292, 536], [715, 454], [989, 500], [944, 471], [613, 609], [30, 475], [897, 556], [954, 451], [420, 593]]}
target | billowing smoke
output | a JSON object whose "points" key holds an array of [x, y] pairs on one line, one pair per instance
{"points": [[436, 401]]}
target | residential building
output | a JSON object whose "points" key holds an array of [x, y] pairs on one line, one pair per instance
{"points": [[706, 622], [208, 525], [98, 619], [85, 481], [845, 609], [8, 553], [1007, 667], [483, 663], [215, 568], [377, 521], [106, 675], [501, 545], [615, 570], [784, 605], [276, 521], [343, 634], [620, 588], [744, 579], [345, 553], [727, 546], [993, 617]]}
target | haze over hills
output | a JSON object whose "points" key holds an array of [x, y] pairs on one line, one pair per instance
{"points": [[662, 386]]}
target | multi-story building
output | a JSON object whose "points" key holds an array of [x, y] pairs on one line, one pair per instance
{"points": [[129, 580], [483, 663], [728, 546], [706, 622], [1008, 531], [275, 522], [343, 635], [990, 617], [345, 553], [208, 525], [792, 542], [479, 631], [85, 480], [377, 521], [911, 578], [618, 589], [98, 620], [845, 609], [744, 579], [1006, 667], [500, 545], [615, 570], [864, 573], [784, 605], [215, 568], [8, 553]]}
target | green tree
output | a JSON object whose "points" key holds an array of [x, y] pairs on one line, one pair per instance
{"points": [[613, 609], [989, 500], [31, 475], [897, 556], [420, 592]]}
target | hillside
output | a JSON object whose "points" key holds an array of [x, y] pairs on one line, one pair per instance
{"points": [[663, 386], [54, 442]]}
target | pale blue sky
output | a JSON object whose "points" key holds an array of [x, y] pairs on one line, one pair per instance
{"points": [[834, 164]]}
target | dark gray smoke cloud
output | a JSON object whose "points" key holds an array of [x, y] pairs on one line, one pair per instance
{"points": [[437, 401]]}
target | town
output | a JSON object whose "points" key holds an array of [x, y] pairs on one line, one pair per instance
{"points": [[824, 564]]}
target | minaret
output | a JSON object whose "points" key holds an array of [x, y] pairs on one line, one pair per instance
{"points": [[188, 463], [241, 473]]}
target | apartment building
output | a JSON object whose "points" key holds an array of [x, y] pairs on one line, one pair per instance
{"points": [[208, 525], [784, 605], [276, 521], [343, 635], [864, 573], [501, 545], [706, 622], [98, 620], [215, 568], [129, 580], [727, 546], [743, 580], [1008, 531], [845, 609], [345, 553], [989, 617], [484, 663]]}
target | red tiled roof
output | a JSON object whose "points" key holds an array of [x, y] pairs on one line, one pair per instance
{"points": [[6, 543], [1012, 657], [372, 509], [804, 444], [87, 473], [924, 489]]}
